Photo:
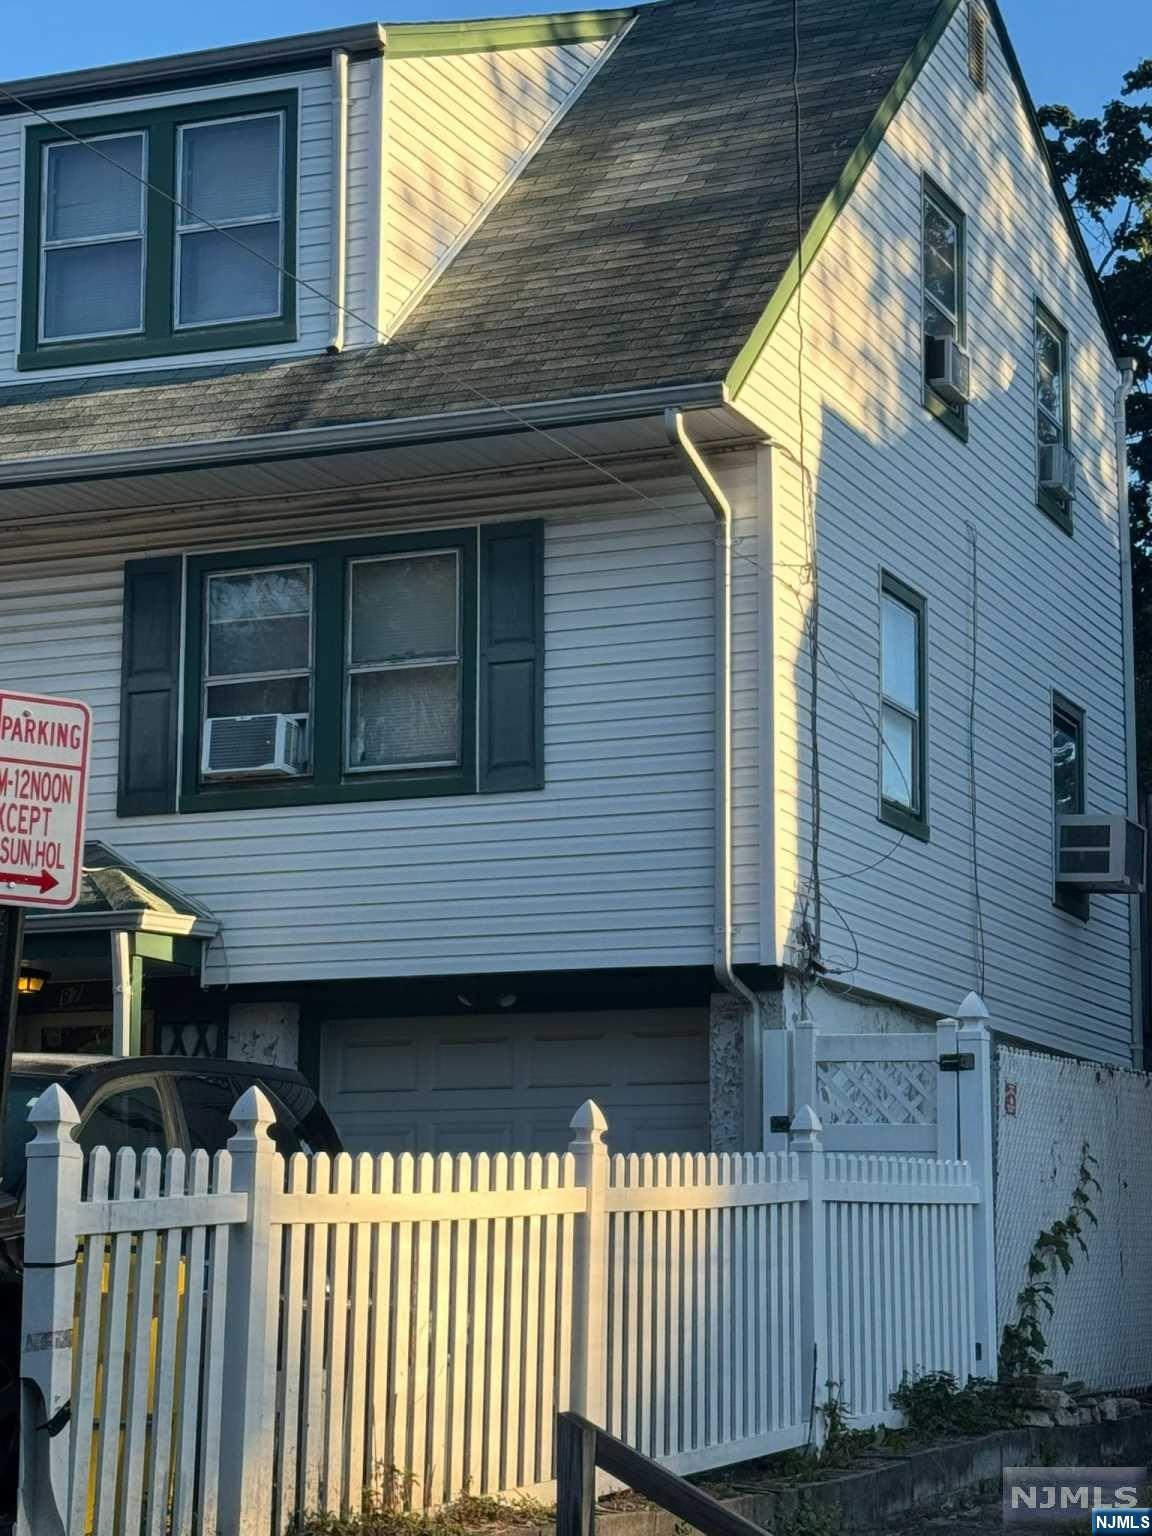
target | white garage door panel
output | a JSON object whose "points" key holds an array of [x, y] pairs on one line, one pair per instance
{"points": [[512, 1084]]}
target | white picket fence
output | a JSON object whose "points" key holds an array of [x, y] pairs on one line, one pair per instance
{"points": [[242, 1342]]}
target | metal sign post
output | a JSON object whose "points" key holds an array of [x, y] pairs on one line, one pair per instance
{"points": [[44, 750], [11, 948]]}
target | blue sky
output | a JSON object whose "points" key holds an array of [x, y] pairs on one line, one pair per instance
{"points": [[1073, 51]]}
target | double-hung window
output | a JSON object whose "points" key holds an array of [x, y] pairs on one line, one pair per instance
{"points": [[903, 722], [404, 663], [332, 671], [163, 232], [943, 256], [1055, 475], [1068, 797]]}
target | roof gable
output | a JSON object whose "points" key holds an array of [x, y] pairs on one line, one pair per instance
{"points": [[650, 242]]}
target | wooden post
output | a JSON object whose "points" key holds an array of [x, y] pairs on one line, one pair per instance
{"points": [[248, 1440], [575, 1476], [589, 1287], [809, 1149], [975, 1117], [52, 1197]]}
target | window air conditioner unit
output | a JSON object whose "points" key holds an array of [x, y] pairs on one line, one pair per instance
{"points": [[949, 370], [1100, 853], [247, 746], [1057, 471]]}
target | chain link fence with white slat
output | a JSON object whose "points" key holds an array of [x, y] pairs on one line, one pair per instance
{"points": [[1047, 1109]]}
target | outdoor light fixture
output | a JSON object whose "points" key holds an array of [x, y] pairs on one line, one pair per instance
{"points": [[31, 981]]}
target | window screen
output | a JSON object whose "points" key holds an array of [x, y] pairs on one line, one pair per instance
{"points": [[93, 238], [901, 700], [231, 177], [403, 662]]}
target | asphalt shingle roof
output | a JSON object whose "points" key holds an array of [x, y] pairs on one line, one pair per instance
{"points": [[637, 249]]}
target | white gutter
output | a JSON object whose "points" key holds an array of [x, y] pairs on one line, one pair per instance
{"points": [[1127, 368], [722, 963], [337, 288], [449, 426]]}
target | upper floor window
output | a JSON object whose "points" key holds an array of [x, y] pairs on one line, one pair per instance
{"points": [[946, 372], [903, 715], [1068, 796], [161, 232], [1055, 467]]}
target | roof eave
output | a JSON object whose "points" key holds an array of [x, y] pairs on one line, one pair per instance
{"points": [[302, 50], [358, 437]]}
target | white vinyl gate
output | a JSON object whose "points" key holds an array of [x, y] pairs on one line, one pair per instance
{"points": [[243, 1341]]}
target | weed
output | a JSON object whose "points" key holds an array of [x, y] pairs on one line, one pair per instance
{"points": [[936, 1407]]}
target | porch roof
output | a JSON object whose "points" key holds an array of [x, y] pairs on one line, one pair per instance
{"points": [[117, 894]]}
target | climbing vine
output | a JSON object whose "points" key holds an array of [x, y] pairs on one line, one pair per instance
{"points": [[1022, 1344]]}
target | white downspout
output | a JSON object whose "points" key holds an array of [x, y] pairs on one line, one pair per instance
{"points": [[337, 285], [722, 956], [121, 993], [1127, 366]]}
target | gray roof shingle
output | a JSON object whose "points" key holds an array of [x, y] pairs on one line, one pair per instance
{"points": [[637, 249]]}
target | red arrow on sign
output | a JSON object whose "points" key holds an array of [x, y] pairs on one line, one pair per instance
{"points": [[44, 881]]}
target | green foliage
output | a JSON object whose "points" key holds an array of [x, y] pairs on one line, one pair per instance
{"points": [[937, 1407], [842, 1445], [809, 1520], [1105, 163], [1023, 1347], [382, 1514]]}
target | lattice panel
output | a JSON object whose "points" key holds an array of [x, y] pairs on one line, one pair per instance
{"points": [[1048, 1108], [876, 1092]]}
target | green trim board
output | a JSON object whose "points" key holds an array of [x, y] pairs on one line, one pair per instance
{"points": [[327, 782], [412, 40], [858, 162], [159, 336]]}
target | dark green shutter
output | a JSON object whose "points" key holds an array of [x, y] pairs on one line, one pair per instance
{"points": [[150, 687], [511, 657]]}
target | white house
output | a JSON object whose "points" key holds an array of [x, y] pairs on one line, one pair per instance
{"points": [[438, 453]]}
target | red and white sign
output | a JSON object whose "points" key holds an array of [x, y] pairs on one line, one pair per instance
{"points": [[44, 745]]}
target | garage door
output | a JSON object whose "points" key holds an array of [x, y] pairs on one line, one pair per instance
{"points": [[512, 1084]]}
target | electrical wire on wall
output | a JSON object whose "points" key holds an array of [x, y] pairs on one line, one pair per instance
{"points": [[977, 902], [810, 921]]}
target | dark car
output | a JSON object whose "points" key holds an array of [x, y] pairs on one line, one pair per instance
{"points": [[138, 1102]]}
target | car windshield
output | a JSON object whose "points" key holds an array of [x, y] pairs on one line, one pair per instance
{"points": [[23, 1091]]}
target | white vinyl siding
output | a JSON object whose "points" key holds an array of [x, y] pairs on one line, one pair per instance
{"points": [[894, 492], [457, 128], [611, 864]]}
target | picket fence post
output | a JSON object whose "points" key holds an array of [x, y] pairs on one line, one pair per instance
{"points": [[52, 1197], [589, 1260], [808, 1145], [975, 1117], [247, 1442]]}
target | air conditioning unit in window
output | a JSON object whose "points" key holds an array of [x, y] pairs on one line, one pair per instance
{"points": [[949, 370], [1057, 471], [1100, 853], [249, 746]]}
